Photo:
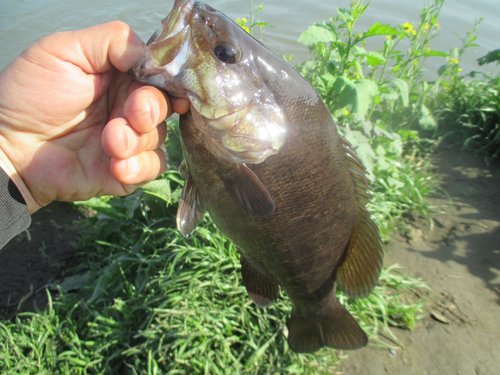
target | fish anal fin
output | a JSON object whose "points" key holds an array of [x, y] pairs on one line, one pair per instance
{"points": [[335, 328], [190, 211], [359, 272], [248, 190], [261, 289]]}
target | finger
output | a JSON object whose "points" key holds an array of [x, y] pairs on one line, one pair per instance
{"points": [[96, 49], [179, 105], [140, 168], [119, 140], [146, 107]]}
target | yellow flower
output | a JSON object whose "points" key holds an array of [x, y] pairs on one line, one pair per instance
{"points": [[243, 23], [459, 69], [408, 27], [453, 61], [346, 112], [436, 25], [426, 26]]}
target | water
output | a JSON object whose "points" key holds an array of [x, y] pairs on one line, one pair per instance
{"points": [[22, 22]]}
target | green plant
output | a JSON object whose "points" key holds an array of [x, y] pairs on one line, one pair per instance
{"points": [[469, 115], [156, 302], [381, 102], [248, 26], [379, 85], [468, 106]]}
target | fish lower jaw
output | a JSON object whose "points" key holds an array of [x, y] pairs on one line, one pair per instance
{"points": [[210, 112]]}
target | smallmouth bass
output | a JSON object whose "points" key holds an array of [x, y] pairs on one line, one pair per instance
{"points": [[264, 158]]}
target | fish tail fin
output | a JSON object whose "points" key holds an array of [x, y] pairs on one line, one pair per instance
{"points": [[335, 327], [359, 271]]}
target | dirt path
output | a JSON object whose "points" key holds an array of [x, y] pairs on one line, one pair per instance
{"points": [[38, 257], [459, 259]]}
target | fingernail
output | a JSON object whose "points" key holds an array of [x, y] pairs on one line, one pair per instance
{"points": [[132, 166], [153, 110]]}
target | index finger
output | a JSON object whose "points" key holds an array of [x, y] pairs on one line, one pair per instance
{"points": [[146, 107], [96, 49]]}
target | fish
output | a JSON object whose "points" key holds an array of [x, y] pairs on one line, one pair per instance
{"points": [[263, 156]]}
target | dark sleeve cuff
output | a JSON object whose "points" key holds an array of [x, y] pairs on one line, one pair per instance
{"points": [[14, 214]]}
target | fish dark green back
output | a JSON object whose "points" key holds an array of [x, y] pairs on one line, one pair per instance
{"points": [[264, 158]]}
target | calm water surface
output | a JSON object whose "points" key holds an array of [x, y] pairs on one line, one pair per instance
{"points": [[22, 22]]}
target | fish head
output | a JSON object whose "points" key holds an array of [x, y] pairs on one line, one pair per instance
{"points": [[200, 54]]}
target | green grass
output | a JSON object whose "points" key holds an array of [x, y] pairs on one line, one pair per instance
{"points": [[156, 302], [166, 304]]}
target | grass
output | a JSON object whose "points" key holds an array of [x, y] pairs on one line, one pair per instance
{"points": [[166, 304], [156, 302]]}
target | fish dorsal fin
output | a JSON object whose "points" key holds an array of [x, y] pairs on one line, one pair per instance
{"points": [[261, 289], [361, 267], [190, 212], [248, 190]]}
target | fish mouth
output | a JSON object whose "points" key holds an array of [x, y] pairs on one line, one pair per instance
{"points": [[214, 112], [168, 41], [168, 48], [175, 22]]}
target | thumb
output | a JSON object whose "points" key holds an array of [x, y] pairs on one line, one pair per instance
{"points": [[96, 49]]}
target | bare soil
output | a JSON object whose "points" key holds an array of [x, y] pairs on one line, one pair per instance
{"points": [[40, 257], [459, 258]]}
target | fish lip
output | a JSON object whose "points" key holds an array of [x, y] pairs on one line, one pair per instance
{"points": [[173, 26], [174, 30], [137, 71], [140, 73]]}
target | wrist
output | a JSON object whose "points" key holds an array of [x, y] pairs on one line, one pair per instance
{"points": [[13, 174]]}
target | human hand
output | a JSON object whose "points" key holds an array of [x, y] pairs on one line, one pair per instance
{"points": [[74, 124]]}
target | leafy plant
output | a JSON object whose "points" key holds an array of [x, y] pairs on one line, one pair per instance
{"points": [[468, 106], [379, 100], [469, 114], [379, 85], [248, 26]]}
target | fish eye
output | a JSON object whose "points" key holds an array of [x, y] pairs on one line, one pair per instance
{"points": [[227, 52]]}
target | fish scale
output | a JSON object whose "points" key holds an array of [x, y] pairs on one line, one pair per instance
{"points": [[291, 196]]}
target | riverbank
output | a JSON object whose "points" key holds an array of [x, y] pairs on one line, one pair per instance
{"points": [[459, 259]]}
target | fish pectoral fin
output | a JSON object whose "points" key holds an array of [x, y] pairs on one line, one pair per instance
{"points": [[248, 190], [190, 211], [335, 328], [359, 272], [260, 288], [183, 169]]}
